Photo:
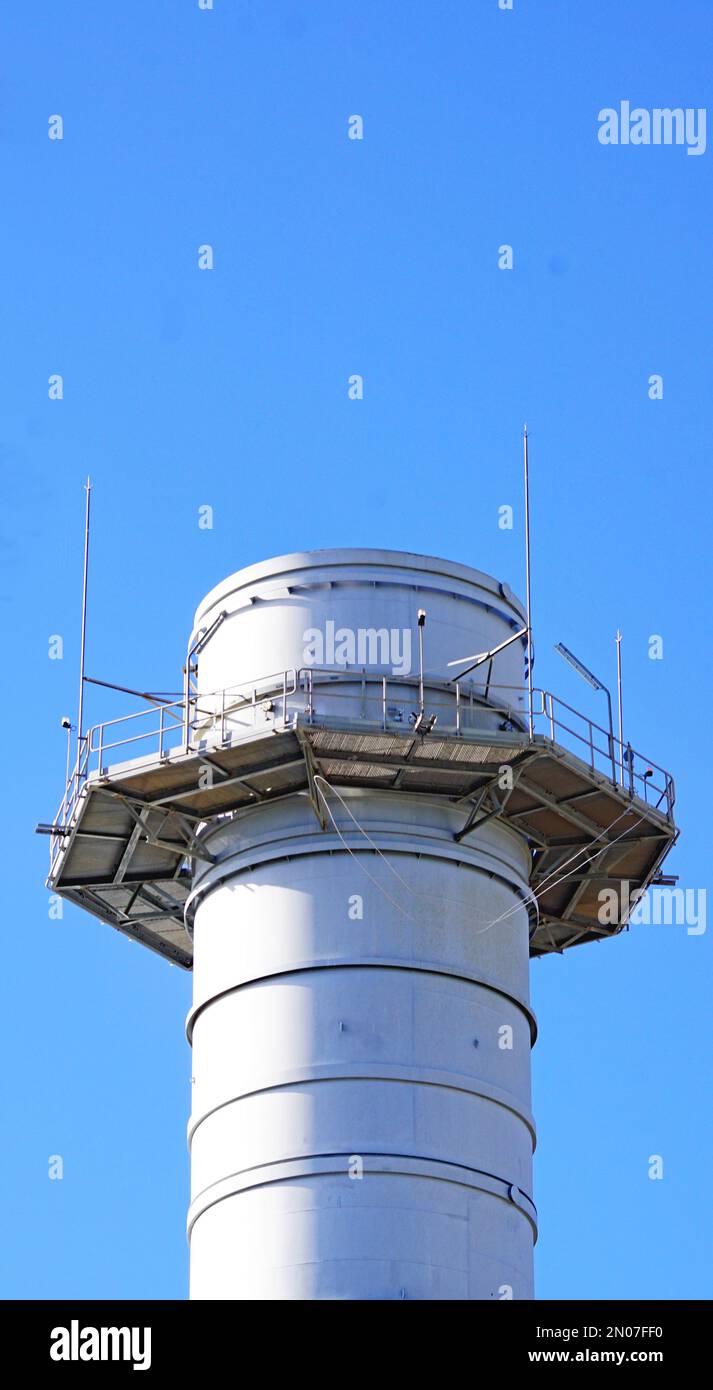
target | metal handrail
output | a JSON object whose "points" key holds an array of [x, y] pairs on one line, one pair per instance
{"points": [[175, 726], [599, 742], [627, 755], [475, 695], [166, 729]]}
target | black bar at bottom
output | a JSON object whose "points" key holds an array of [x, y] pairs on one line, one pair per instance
{"points": [[212, 1339]]}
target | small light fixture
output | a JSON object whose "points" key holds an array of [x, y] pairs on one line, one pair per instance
{"points": [[423, 723]]}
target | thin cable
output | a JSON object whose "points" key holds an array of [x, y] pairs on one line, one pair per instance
{"points": [[586, 848], [545, 887], [603, 850], [454, 902], [579, 853], [605, 847], [362, 866], [360, 828]]}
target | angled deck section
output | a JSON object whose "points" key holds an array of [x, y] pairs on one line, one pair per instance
{"points": [[125, 854]]}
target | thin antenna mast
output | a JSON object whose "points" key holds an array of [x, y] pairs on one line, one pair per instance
{"points": [[80, 712], [527, 580]]}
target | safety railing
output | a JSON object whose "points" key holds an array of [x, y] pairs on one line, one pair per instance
{"points": [[162, 728], [67, 805], [169, 726], [394, 696], [626, 767], [470, 705], [388, 702]]}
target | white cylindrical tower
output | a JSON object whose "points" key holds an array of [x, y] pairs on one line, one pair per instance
{"points": [[361, 1029]]}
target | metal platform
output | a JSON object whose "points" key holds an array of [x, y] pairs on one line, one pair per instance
{"points": [[125, 834]]}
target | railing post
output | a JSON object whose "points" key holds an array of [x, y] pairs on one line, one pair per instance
{"points": [[222, 715], [591, 743], [160, 732], [383, 702], [457, 707], [310, 695], [630, 759], [552, 718]]}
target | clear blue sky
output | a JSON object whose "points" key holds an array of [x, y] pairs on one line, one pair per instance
{"points": [[185, 387]]}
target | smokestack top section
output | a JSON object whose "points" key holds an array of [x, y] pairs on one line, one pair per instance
{"points": [[318, 665], [300, 567], [358, 611]]}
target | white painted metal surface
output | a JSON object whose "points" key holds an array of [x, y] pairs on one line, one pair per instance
{"points": [[357, 610], [361, 1033]]}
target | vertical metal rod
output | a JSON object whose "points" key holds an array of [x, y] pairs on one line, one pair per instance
{"points": [[69, 754], [621, 717], [80, 712], [421, 624], [527, 582], [611, 736]]}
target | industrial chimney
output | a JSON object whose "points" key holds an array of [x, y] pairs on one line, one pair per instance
{"points": [[357, 850]]}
